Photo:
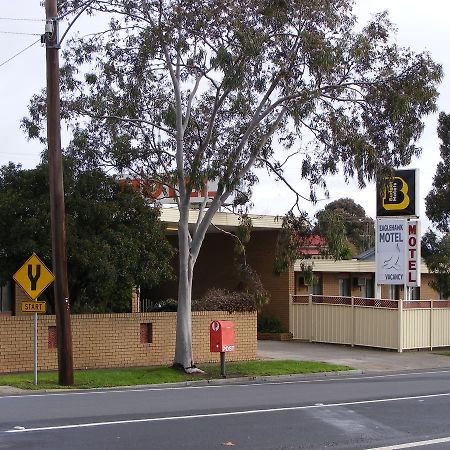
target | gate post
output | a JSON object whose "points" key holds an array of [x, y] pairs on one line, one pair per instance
{"points": [[353, 322], [400, 325], [291, 315], [310, 317], [431, 324]]}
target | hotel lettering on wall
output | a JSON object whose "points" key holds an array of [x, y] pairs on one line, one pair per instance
{"points": [[398, 195]]}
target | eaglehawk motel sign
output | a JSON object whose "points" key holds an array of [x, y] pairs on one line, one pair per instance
{"points": [[398, 231]]}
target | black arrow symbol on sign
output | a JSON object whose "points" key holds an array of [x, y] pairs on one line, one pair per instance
{"points": [[34, 279]]}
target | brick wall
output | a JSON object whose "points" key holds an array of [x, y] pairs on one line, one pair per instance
{"points": [[114, 340]]}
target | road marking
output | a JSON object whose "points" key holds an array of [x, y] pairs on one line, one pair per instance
{"points": [[217, 386], [224, 414], [413, 444]]}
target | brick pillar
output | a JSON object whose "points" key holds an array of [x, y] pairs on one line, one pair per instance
{"points": [[135, 306]]}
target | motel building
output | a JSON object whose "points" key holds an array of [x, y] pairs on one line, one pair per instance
{"points": [[343, 305]]}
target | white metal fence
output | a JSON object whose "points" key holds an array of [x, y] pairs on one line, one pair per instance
{"points": [[370, 322]]}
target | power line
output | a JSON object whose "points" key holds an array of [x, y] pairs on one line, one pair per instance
{"points": [[17, 54], [22, 19], [16, 32]]}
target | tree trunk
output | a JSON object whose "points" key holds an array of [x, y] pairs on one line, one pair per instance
{"points": [[183, 348]]}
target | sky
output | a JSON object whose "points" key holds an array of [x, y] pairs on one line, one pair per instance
{"points": [[421, 26]]}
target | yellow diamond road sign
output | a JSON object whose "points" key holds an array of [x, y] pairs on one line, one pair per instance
{"points": [[33, 277]]}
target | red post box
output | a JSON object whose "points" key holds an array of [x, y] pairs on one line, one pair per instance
{"points": [[221, 336]]}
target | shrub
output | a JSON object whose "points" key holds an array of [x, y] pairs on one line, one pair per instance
{"points": [[224, 300], [270, 324]]}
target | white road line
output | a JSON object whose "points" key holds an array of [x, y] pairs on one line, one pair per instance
{"points": [[413, 444], [224, 414], [217, 386]]}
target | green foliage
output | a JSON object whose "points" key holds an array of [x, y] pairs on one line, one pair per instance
{"points": [[243, 234], [296, 234], [436, 247], [268, 72], [270, 324], [436, 252], [114, 239], [438, 199], [349, 217], [224, 300], [293, 236], [332, 228]]}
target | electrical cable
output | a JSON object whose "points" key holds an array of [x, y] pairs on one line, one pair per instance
{"points": [[22, 19], [22, 34], [17, 54]]}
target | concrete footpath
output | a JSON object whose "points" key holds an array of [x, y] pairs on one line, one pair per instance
{"points": [[361, 358]]}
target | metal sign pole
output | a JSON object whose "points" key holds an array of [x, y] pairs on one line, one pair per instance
{"points": [[223, 373], [35, 350]]}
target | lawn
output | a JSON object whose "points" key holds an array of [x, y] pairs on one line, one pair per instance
{"points": [[155, 375]]}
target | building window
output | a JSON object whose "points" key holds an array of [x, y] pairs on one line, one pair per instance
{"points": [[317, 287], [344, 287], [394, 292], [368, 290], [415, 293]]}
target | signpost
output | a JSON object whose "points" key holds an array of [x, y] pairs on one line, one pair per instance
{"points": [[397, 246], [33, 277]]}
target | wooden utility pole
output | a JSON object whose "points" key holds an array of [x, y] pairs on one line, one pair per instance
{"points": [[61, 289]]}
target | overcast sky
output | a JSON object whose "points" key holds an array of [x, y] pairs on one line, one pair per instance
{"points": [[421, 26]]}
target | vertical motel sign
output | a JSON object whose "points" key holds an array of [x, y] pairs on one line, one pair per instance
{"points": [[398, 229], [413, 253]]}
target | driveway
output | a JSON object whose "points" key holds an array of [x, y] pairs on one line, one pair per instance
{"points": [[362, 358]]}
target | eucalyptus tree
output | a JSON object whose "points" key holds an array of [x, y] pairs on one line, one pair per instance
{"points": [[186, 90], [436, 244], [438, 199]]}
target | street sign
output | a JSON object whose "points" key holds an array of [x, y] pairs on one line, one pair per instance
{"points": [[32, 307], [33, 277]]}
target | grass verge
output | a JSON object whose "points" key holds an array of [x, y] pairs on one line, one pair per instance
{"points": [[444, 353], [155, 375]]}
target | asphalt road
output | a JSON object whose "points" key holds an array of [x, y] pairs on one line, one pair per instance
{"points": [[341, 412]]}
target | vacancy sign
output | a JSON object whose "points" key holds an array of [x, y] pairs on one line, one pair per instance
{"points": [[33, 277], [413, 253]]}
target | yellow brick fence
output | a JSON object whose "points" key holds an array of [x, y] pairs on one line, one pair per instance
{"points": [[118, 340]]}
